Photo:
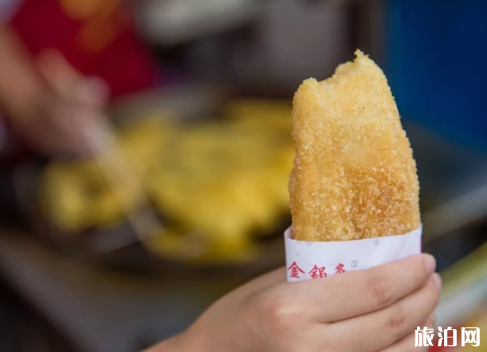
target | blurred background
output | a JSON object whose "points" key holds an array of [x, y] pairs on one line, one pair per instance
{"points": [[117, 233]]}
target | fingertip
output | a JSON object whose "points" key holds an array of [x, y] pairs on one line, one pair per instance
{"points": [[429, 263], [424, 265], [437, 281]]}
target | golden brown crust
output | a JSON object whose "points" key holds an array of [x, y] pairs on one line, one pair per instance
{"points": [[354, 174]]}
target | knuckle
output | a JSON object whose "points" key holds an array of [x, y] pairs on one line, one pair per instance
{"points": [[380, 288], [278, 310], [398, 322]]}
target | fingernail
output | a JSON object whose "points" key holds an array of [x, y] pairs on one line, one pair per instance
{"points": [[437, 281], [430, 263]]}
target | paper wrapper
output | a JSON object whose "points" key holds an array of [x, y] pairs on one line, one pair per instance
{"points": [[312, 260]]}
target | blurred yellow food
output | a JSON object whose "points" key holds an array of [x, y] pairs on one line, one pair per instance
{"points": [[221, 180]]}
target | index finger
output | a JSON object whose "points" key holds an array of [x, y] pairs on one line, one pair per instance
{"points": [[60, 76], [351, 294]]}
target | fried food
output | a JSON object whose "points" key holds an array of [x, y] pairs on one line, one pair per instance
{"points": [[354, 174]]}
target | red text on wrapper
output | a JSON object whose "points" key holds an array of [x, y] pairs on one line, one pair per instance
{"points": [[295, 270], [317, 273], [339, 269]]}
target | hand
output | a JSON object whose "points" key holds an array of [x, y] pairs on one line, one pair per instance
{"points": [[362, 311], [62, 111]]}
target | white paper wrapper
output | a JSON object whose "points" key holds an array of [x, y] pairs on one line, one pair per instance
{"points": [[311, 260]]}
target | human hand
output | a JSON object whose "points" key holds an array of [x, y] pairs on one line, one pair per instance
{"points": [[362, 311], [63, 111]]}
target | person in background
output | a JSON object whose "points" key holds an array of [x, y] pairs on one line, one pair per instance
{"points": [[61, 63]]}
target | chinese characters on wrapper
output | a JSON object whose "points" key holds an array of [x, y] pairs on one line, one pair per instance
{"points": [[315, 273], [446, 337], [294, 269]]}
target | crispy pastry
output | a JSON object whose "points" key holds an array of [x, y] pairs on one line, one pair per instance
{"points": [[354, 174]]}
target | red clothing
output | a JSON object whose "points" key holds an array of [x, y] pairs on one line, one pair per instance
{"points": [[97, 37]]}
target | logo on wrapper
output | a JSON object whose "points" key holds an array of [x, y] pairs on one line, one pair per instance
{"points": [[339, 269], [295, 270], [317, 273], [447, 337], [318, 260]]}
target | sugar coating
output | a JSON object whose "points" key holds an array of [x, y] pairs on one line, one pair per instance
{"points": [[354, 175]]}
